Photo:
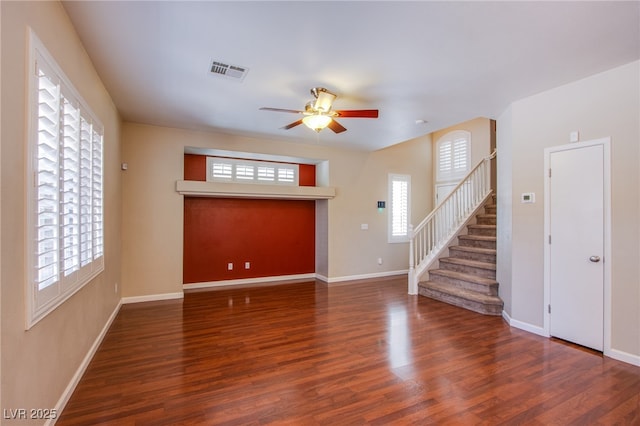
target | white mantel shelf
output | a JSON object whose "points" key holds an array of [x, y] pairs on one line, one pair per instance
{"points": [[246, 190]]}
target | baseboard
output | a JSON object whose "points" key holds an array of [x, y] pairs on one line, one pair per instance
{"points": [[624, 357], [245, 281], [540, 331], [152, 297], [364, 276], [613, 353], [66, 395], [290, 278]]}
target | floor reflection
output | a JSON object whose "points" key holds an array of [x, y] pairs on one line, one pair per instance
{"points": [[399, 337]]}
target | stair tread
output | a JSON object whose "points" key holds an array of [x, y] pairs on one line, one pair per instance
{"points": [[462, 293], [482, 226], [464, 277], [474, 249], [478, 237], [469, 262], [488, 215]]}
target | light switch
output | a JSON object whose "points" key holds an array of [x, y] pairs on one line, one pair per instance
{"points": [[364, 226]]}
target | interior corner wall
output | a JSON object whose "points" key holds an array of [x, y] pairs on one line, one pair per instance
{"points": [[37, 365], [504, 144], [606, 104]]}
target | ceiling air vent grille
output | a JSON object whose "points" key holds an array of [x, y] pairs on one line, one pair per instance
{"points": [[233, 72]]}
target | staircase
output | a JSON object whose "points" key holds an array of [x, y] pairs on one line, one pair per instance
{"points": [[466, 278]]}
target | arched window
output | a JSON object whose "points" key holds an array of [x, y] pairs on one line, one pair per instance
{"points": [[453, 155]]}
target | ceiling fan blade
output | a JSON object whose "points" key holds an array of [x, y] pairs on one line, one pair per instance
{"points": [[357, 113], [336, 127], [295, 111], [294, 124]]}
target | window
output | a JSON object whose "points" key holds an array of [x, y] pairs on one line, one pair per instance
{"points": [[221, 169], [65, 214], [399, 208], [453, 153]]}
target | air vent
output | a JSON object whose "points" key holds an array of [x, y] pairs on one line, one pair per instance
{"points": [[233, 72]]}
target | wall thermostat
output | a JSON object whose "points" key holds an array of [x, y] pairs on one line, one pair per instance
{"points": [[528, 197]]}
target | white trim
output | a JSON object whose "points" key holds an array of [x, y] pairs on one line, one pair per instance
{"points": [[364, 276], [152, 297], [530, 328], [606, 145], [251, 190], [66, 395], [245, 281], [289, 278], [624, 357]]}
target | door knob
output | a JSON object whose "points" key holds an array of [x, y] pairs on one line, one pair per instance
{"points": [[595, 259]]}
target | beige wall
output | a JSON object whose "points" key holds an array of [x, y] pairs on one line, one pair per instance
{"points": [[607, 104], [38, 364], [152, 210]]}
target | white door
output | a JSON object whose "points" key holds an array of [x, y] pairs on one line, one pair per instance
{"points": [[576, 246], [444, 189]]}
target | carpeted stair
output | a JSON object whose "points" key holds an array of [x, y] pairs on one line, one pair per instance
{"points": [[467, 277]]}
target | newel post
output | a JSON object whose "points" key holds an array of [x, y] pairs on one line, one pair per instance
{"points": [[413, 288]]}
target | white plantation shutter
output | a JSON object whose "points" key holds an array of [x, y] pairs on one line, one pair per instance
{"points": [[238, 170], [399, 196], [445, 157], [97, 196], [460, 148], [453, 155], [70, 187], [244, 172], [66, 242], [86, 244], [221, 170], [47, 194], [266, 173], [286, 175]]}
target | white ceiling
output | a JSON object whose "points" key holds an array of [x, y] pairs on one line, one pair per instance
{"points": [[443, 62]]}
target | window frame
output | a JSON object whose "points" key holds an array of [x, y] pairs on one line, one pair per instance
{"points": [[82, 210], [249, 171], [403, 237], [453, 173]]}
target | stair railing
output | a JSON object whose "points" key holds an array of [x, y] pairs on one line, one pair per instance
{"points": [[431, 236]]}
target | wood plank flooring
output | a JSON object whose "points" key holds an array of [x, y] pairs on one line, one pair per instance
{"points": [[357, 354]]}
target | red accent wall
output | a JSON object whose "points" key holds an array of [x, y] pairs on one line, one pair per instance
{"points": [[195, 167], [276, 236], [306, 175]]}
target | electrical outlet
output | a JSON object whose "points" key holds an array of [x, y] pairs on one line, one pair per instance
{"points": [[230, 266], [247, 265], [115, 288]]}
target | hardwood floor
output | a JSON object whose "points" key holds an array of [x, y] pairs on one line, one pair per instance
{"points": [[306, 354]]}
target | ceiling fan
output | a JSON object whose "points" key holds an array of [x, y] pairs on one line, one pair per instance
{"points": [[318, 113]]}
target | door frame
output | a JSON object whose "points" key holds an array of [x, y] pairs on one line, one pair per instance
{"points": [[606, 152]]}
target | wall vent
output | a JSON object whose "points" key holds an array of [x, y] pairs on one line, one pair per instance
{"points": [[234, 72]]}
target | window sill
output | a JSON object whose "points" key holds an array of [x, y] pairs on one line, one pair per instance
{"points": [[247, 190]]}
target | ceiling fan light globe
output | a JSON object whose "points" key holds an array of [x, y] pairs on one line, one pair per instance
{"points": [[324, 101], [316, 122]]}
